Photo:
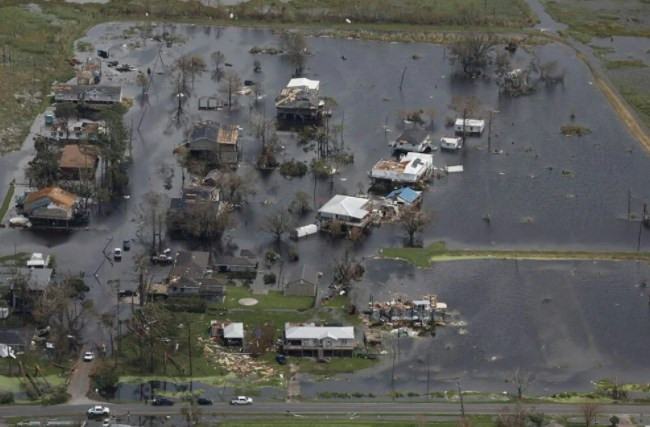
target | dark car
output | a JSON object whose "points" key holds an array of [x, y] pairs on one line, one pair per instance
{"points": [[281, 359], [112, 63], [127, 293], [204, 401], [162, 401], [126, 245], [102, 53]]}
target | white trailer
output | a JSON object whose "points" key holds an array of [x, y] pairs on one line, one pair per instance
{"points": [[472, 126], [305, 230]]}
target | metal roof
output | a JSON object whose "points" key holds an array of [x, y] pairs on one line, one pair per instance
{"points": [[309, 331], [347, 206], [303, 82], [234, 331], [407, 194]]}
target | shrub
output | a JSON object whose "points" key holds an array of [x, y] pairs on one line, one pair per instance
{"points": [[269, 278], [271, 255], [6, 397], [574, 130], [293, 255], [56, 397], [189, 305], [105, 381], [293, 168]]}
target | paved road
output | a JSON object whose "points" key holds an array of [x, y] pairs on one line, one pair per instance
{"points": [[330, 408]]}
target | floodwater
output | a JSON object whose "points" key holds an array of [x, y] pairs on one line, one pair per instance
{"points": [[625, 47], [542, 191], [566, 322]]}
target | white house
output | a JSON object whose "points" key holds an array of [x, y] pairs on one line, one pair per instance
{"points": [[351, 210], [472, 126], [411, 168], [306, 83], [321, 339]]}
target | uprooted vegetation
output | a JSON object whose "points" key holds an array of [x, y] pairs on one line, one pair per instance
{"points": [[574, 130]]}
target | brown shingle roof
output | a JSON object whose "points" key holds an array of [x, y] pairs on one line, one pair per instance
{"points": [[79, 157], [57, 195]]}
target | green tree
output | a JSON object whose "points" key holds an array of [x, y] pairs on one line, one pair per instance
{"points": [[105, 380]]}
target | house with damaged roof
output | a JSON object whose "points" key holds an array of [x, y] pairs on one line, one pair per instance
{"points": [[300, 101], [210, 138], [79, 162], [411, 168], [53, 207]]}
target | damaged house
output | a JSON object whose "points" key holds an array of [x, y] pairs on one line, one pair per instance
{"points": [[79, 162], [87, 93], [210, 138], [300, 101], [54, 207], [413, 139], [410, 313], [320, 341], [411, 168], [77, 131], [230, 333]]}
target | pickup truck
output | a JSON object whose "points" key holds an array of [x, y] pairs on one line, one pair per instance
{"points": [[162, 259], [241, 400]]}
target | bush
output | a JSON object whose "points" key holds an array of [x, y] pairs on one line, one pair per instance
{"points": [[293, 255], [271, 256], [574, 130], [105, 381], [293, 168], [269, 278], [6, 397], [56, 397]]}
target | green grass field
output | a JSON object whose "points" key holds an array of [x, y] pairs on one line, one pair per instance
{"points": [[7, 201], [423, 257]]}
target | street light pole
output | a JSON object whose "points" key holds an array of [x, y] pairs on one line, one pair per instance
{"points": [[462, 406]]}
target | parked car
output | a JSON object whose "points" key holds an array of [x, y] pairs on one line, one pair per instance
{"points": [[112, 63], [89, 356], [162, 401], [281, 359], [241, 400], [98, 410], [117, 253], [106, 422], [127, 293], [204, 401], [126, 245], [102, 53]]}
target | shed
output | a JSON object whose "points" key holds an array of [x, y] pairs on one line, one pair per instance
{"points": [[303, 283], [404, 196]]}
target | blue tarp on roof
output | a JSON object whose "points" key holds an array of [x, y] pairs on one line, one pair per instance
{"points": [[407, 194]]}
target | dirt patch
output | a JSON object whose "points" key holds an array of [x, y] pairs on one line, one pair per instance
{"points": [[248, 301]]}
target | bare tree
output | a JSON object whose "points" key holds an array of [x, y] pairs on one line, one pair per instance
{"points": [[264, 128], [182, 67], [471, 52], [202, 221], [195, 66], [217, 59], [412, 220], [295, 44], [590, 411], [347, 270], [301, 203], [232, 84], [143, 81], [236, 187], [521, 378], [63, 308], [65, 111], [192, 413], [277, 223], [550, 73], [153, 214], [465, 106]]}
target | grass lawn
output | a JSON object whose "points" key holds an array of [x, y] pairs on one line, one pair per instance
{"points": [[11, 379], [615, 65], [7, 201], [423, 257], [336, 365], [274, 300], [19, 258]]}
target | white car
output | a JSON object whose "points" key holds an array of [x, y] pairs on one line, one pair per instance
{"points": [[99, 410], [106, 423], [89, 356], [117, 253], [241, 400]]}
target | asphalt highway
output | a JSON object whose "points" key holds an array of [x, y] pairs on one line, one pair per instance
{"points": [[329, 408]]}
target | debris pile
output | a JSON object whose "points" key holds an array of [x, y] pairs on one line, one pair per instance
{"points": [[242, 365], [416, 313]]}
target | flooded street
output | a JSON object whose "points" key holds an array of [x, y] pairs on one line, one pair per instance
{"points": [[542, 190]]}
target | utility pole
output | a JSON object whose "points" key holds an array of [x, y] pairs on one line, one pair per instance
{"points": [[428, 374], [460, 394], [189, 349], [629, 203], [402, 81]]}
